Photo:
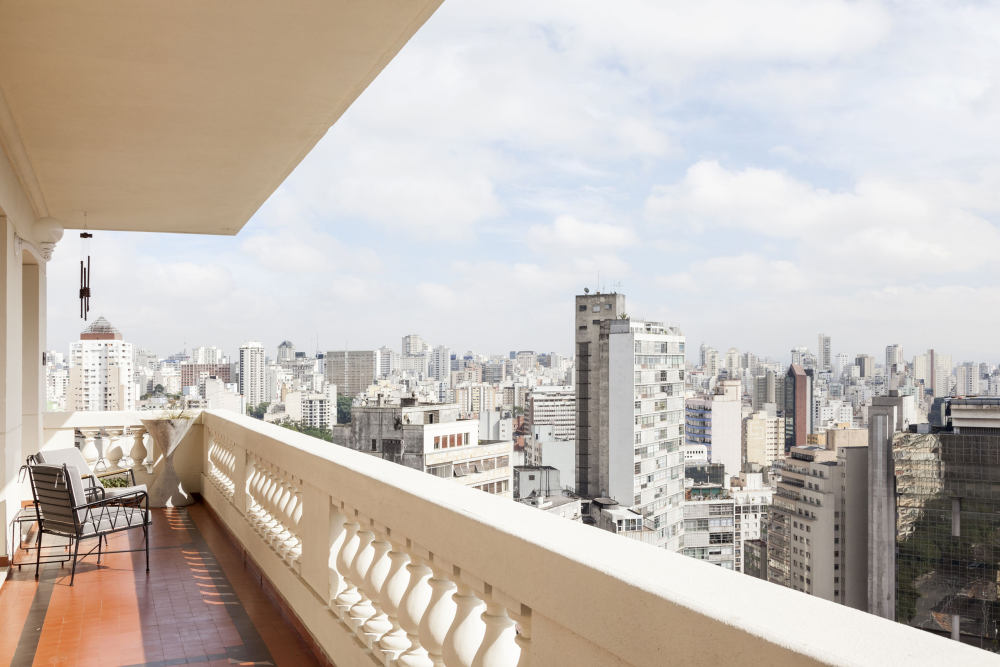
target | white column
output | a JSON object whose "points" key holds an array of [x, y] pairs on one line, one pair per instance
{"points": [[33, 286], [10, 376]]}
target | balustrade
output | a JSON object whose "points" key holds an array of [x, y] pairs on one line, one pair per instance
{"points": [[407, 577]]}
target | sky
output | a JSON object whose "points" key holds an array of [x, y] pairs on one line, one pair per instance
{"points": [[755, 173]]}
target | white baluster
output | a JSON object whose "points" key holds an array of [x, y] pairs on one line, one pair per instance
{"points": [[440, 611], [338, 536], [137, 453], [363, 609], [523, 638], [295, 542], [349, 596], [394, 641], [113, 451], [378, 624], [413, 608], [467, 630], [498, 648], [89, 449], [102, 445]]}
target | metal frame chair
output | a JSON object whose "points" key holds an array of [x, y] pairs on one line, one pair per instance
{"points": [[64, 509], [95, 489]]}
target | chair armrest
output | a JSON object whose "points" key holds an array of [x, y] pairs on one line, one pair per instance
{"points": [[114, 500]]}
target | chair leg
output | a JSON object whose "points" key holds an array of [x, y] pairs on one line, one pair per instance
{"points": [[38, 551], [145, 538], [76, 550], [100, 544]]}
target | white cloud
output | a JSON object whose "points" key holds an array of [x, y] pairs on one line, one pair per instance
{"points": [[878, 226], [567, 232]]}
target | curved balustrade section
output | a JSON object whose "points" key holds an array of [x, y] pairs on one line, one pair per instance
{"points": [[385, 565], [221, 463]]}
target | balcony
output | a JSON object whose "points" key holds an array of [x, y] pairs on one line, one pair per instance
{"points": [[184, 117], [380, 564]]}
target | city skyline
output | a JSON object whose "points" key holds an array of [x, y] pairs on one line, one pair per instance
{"points": [[749, 175]]}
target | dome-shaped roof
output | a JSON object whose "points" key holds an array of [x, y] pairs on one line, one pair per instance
{"points": [[100, 329]]}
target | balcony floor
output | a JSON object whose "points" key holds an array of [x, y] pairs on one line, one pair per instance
{"points": [[198, 605]]}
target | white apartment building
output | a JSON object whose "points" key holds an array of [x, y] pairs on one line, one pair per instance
{"points": [[433, 439], [311, 409], [764, 436], [750, 511], [553, 406], [207, 355], [820, 509], [709, 526], [388, 361], [439, 365], [967, 379], [474, 398], [413, 345], [252, 378], [100, 370], [630, 412], [56, 386]]}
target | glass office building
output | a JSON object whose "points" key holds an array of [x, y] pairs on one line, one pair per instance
{"points": [[948, 522]]}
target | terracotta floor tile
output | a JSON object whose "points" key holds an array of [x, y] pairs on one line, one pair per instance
{"points": [[198, 604]]}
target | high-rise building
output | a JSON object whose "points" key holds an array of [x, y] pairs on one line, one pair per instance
{"points": [[798, 406], [946, 516], [388, 361], [286, 352], [715, 422], [817, 528], [751, 507], [866, 365], [709, 526], [100, 370], [734, 364], [967, 379], [313, 409], [353, 371], [630, 407], [894, 364], [207, 355], [553, 406], [824, 359], [439, 367], [922, 369], [252, 376], [940, 367], [413, 345], [764, 437], [764, 390], [711, 362], [841, 362]]}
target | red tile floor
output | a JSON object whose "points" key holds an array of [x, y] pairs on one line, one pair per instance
{"points": [[198, 605]]}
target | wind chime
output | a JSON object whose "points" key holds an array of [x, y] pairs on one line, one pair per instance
{"points": [[85, 274]]}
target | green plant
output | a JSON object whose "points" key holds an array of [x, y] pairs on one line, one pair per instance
{"points": [[114, 482]]}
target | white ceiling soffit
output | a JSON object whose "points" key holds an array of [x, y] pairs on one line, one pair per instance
{"points": [[180, 115]]}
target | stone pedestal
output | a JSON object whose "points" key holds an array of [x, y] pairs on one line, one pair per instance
{"points": [[165, 487]]}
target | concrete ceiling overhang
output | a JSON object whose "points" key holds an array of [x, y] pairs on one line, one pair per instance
{"points": [[180, 115]]}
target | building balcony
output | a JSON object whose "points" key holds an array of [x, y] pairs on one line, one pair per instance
{"points": [[378, 564]]}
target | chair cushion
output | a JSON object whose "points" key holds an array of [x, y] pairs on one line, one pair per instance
{"points": [[70, 456], [112, 491], [76, 490], [108, 519]]}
